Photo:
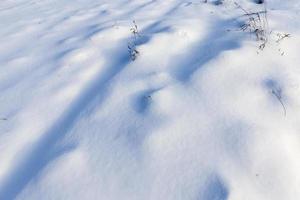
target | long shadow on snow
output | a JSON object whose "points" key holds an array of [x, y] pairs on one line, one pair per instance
{"points": [[41, 154], [37, 158], [216, 41]]}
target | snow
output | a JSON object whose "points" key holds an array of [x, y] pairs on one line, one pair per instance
{"points": [[201, 114]]}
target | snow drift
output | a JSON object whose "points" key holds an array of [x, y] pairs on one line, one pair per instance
{"points": [[202, 113]]}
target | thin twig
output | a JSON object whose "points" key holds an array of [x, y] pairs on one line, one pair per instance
{"points": [[279, 98]]}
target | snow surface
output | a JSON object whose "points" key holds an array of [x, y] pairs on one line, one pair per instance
{"points": [[201, 114]]}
